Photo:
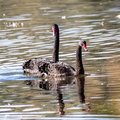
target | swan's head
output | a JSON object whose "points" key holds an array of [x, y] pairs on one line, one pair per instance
{"points": [[55, 29], [82, 43]]}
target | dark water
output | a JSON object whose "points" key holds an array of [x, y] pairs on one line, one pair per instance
{"points": [[25, 32]]}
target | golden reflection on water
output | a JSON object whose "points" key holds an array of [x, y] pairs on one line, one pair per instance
{"points": [[112, 69], [102, 89]]}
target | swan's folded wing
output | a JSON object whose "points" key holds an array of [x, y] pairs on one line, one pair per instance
{"points": [[60, 69], [33, 65]]}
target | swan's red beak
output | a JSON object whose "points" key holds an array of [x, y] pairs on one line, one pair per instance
{"points": [[85, 47], [54, 31]]}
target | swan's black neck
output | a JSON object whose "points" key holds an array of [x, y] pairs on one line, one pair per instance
{"points": [[56, 47], [79, 65]]}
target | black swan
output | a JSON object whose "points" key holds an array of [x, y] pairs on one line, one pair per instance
{"points": [[37, 66], [63, 69]]}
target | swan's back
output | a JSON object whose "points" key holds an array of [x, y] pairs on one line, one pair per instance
{"points": [[60, 69]]}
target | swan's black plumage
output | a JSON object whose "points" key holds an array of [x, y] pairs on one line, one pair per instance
{"points": [[60, 69], [37, 66]]}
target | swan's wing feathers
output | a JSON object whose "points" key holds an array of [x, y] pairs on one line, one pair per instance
{"points": [[44, 67], [30, 64], [60, 69], [33, 65]]}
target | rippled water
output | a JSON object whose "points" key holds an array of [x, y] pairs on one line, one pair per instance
{"points": [[25, 32]]}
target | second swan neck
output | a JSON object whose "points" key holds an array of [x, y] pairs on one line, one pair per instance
{"points": [[79, 65]]}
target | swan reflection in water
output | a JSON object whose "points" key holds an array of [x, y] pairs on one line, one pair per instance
{"points": [[59, 84]]}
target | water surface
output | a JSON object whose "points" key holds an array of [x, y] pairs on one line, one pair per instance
{"points": [[25, 33]]}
